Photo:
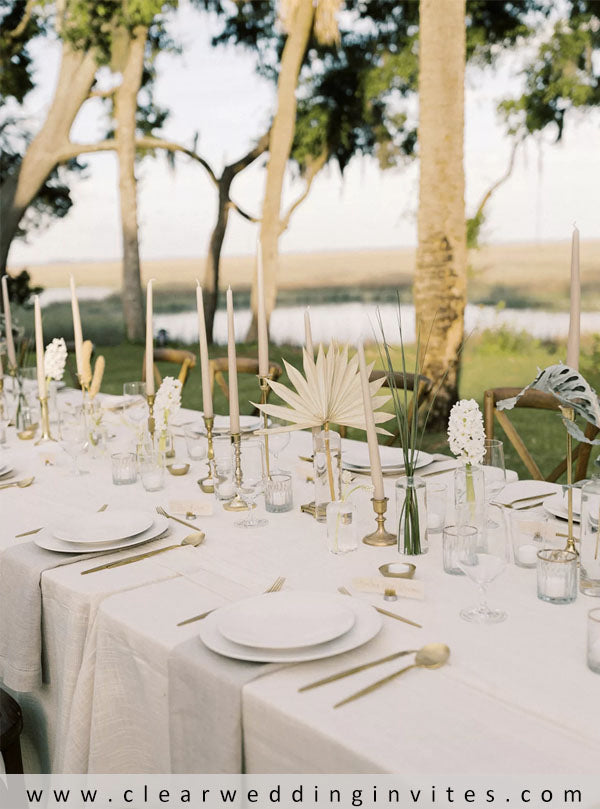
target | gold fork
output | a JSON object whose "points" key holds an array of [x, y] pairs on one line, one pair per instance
{"points": [[163, 513], [274, 588], [389, 614], [37, 530]]}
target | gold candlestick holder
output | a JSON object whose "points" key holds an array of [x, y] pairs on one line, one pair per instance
{"points": [[45, 437], [237, 504], [263, 382], [207, 484], [569, 414], [380, 538], [151, 423]]}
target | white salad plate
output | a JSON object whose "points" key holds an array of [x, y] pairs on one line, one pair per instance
{"points": [[392, 459], [247, 424], [103, 526], [289, 620], [367, 623], [556, 505], [50, 543]]}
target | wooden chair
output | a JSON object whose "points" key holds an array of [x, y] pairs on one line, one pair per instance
{"points": [[535, 400], [218, 366], [178, 356], [424, 386], [11, 725]]}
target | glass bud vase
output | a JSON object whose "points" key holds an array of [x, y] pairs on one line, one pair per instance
{"points": [[589, 544], [469, 496], [327, 465], [342, 527], [411, 514]]}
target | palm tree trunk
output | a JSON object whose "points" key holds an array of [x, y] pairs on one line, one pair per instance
{"points": [[280, 144], [75, 79], [440, 287], [125, 109]]}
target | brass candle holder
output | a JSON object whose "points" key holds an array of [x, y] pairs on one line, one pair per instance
{"points": [[207, 484], [45, 437], [151, 423], [380, 538], [263, 382], [569, 414], [237, 504]]}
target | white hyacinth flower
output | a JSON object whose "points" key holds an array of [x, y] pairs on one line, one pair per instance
{"points": [[55, 358], [168, 399], [466, 434]]}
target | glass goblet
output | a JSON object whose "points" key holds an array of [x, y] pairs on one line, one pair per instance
{"points": [[74, 436], [135, 410], [483, 559], [495, 474], [253, 481], [277, 443]]}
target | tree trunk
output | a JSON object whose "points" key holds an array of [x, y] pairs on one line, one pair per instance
{"points": [[280, 144], [440, 287], [125, 110], [75, 79], [210, 288]]}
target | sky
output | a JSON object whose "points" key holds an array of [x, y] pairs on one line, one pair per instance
{"points": [[217, 93]]}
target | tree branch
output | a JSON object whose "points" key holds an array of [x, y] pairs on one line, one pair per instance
{"points": [[72, 150], [148, 142], [494, 187], [250, 157], [16, 32], [102, 93], [314, 168]]}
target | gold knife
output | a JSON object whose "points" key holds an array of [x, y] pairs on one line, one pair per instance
{"points": [[347, 672], [398, 617], [137, 558]]}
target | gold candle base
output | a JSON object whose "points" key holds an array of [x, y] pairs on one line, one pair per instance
{"points": [[264, 392], [380, 538], [45, 436], [151, 423], [207, 484], [237, 504]]}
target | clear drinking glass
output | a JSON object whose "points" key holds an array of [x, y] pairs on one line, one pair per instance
{"points": [[196, 444], [278, 493], [452, 539], [136, 408], [593, 645], [437, 499], [277, 443], [223, 477], [527, 535], [483, 559], [74, 436], [495, 473], [589, 545], [557, 576], [152, 470], [253, 481], [124, 468], [342, 527]]}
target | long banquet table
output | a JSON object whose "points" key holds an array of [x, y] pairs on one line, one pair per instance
{"points": [[515, 697]]}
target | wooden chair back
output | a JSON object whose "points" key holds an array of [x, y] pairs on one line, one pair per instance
{"points": [[178, 356], [534, 400], [218, 367]]}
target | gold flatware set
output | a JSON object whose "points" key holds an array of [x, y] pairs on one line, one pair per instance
{"points": [[21, 484], [389, 614], [193, 539]]}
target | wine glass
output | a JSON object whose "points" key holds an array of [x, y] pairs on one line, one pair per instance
{"points": [[74, 436], [483, 558], [253, 480], [495, 474], [135, 410], [277, 443]]}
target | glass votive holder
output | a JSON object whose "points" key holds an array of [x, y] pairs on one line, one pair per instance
{"points": [[557, 576], [152, 470], [224, 479], [196, 444], [124, 469], [453, 538], [527, 535], [437, 498], [342, 526], [223, 449], [279, 496], [593, 644]]}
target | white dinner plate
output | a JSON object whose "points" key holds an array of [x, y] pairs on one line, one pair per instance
{"points": [[45, 540], [555, 505], [289, 620], [367, 624], [357, 460], [247, 424], [103, 526]]}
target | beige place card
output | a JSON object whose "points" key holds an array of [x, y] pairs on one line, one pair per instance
{"points": [[198, 508], [403, 588]]}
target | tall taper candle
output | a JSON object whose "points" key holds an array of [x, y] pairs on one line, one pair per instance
{"points": [[234, 404], [77, 334], [39, 348], [308, 341], [207, 405], [575, 316], [375, 461], [10, 344], [263, 334], [149, 341]]}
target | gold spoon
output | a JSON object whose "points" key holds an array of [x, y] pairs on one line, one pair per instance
{"points": [[22, 484], [431, 656], [195, 539]]}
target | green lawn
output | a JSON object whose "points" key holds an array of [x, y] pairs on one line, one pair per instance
{"points": [[490, 360]]}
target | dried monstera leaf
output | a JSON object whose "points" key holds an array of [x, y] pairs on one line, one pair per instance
{"points": [[571, 390]]}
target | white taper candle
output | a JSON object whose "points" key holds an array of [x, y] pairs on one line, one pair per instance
{"points": [[234, 404], [207, 405], [10, 343], [39, 348], [77, 333], [263, 334], [149, 341], [575, 312]]}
